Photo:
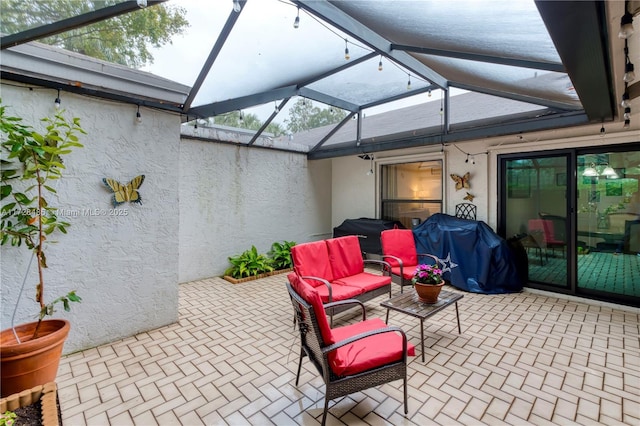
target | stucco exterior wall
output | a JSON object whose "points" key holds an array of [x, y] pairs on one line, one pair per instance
{"points": [[123, 262], [233, 197]]}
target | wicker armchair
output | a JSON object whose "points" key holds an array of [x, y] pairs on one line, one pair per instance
{"points": [[351, 358], [399, 250]]}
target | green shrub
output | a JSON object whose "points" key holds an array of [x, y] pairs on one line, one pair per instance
{"points": [[249, 263], [281, 254]]}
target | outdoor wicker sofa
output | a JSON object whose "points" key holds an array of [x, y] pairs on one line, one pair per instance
{"points": [[336, 268]]}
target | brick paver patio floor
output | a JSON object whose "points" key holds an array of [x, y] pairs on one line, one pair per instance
{"points": [[524, 358]]}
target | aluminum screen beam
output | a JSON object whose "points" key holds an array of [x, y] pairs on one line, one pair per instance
{"points": [[72, 23], [332, 132], [547, 66], [268, 121], [215, 51], [579, 32], [334, 16], [243, 102], [437, 138]]}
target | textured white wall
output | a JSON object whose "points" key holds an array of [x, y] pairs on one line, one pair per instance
{"points": [[125, 268], [233, 197], [353, 191]]}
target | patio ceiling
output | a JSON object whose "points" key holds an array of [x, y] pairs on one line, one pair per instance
{"points": [[553, 57]]}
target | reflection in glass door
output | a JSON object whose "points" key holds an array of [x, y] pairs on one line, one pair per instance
{"points": [[535, 213], [608, 223]]}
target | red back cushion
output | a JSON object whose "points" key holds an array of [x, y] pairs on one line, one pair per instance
{"points": [[345, 256], [399, 243], [311, 296], [312, 259]]}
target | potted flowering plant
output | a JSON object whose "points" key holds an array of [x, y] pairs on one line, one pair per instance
{"points": [[428, 281]]}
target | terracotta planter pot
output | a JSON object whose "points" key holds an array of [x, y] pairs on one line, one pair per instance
{"points": [[32, 362], [428, 293]]}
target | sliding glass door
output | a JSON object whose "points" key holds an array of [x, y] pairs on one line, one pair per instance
{"points": [[534, 202], [576, 214]]}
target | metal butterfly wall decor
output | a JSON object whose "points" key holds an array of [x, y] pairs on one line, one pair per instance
{"points": [[123, 193], [469, 197], [461, 182]]}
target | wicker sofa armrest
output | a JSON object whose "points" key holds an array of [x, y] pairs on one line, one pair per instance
{"points": [[348, 302], [386, 267], [323, 281], [435, 258]]}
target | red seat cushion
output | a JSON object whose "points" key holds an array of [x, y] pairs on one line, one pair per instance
{"points": [[365, 281], [407, 271], [345, 256], [339, 291], [312, 259], [399, 243], [311, 296], [367, 353]]}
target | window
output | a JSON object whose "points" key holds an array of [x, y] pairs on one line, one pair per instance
{"points": [[411, 192]]}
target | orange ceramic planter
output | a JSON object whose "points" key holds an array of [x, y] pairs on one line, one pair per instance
{"points": [[428, 293], [32, 362]]}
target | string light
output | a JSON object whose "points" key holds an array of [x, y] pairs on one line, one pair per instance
{"points": [[296, 22], [138, 115], [626, 23], [625, 97], [627, 113], [57, 102], [237, 7], [142, 3], [346, 50], [276, 109], [629, 74], [602, 130], [429, 93], [241, 118], [467, 160], [380, 64], [409, 82]]}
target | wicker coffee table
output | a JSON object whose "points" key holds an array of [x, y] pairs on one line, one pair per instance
{"points": [[408, 303]]}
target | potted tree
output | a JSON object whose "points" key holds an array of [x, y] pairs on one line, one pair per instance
{"points": [[30, 161]]}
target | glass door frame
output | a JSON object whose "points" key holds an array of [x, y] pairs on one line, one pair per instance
{"points": [[570, 161]]}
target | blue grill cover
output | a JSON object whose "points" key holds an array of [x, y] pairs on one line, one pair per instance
{"points": [[475, 258]]}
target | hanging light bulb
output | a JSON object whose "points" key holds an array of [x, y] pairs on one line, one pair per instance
{"points": [[467, 160], [627, 124], [590, 171], [473, 159], [241, 118], [629, 74], [626, 25], [627, 113], [276, 109], [409, 82], [237, 7], [142, 3], [138, 116], [441, 111], [57, 102], [370, 172], [429, 93], [296, 22], [346, 50], [602, 130], [625, 99], [380, 64]]}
